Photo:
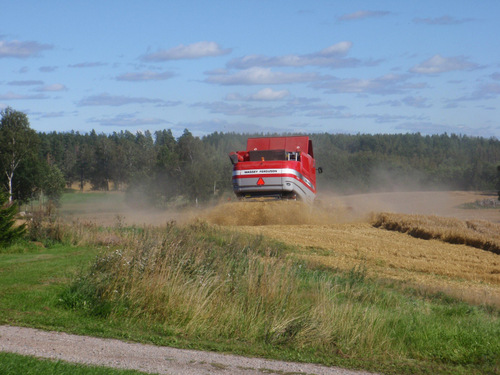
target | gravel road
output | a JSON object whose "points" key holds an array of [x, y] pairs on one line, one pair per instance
{"points": [[146, 358]]}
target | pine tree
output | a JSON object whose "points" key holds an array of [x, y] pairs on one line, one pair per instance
{"points": [[8, 230]]}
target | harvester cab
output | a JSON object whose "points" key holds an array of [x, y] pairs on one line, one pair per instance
{"points": [[275, 167]]}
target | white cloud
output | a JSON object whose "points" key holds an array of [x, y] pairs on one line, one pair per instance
{"points": [[208, 126], [387, 84], [412, 101], [390, 103], [21, 50], [483, 92], [267, 94], [444, 20], [495, 76], [52, 88], [384, 118], [47, 69], [439, 64], [145, 76], [191, 51], [426, 127], [259, 76], [231, 109], [235, 96], [332, 56], [338, 49], [310, 107], [13, 96], [26, 83], [326, 111], [127, 120], [52, 114], [417, 102], [95, 64], [362, 14], [114, 100]]}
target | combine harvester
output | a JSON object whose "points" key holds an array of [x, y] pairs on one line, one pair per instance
{"points": [[275, 167]]}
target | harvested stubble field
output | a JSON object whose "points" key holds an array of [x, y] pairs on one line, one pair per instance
{"points": [[432, 245]]}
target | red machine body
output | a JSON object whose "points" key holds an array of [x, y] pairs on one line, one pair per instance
{"points": [[279, 167]]}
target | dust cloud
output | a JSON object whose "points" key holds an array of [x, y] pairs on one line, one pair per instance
{"points": [[439, 203], [389, 190], [255, 213], [330, 208]]}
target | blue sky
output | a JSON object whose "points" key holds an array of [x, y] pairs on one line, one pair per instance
{"points": [[253, 66]]}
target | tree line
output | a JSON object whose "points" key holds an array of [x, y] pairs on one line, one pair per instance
{"points": [[408, 161], [159, 169]]}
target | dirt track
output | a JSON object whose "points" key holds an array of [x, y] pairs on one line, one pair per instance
{"points": [[146, 358]]}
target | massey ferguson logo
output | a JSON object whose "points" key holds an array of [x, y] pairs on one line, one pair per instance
{"points": [[260, 171]]}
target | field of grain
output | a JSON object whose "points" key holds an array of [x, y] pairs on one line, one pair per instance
{"points": [[340, 234]]}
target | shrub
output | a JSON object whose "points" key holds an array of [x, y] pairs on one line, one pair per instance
{"points": [[9, 231]]}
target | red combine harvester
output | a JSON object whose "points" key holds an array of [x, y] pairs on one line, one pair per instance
{"points": [[275, 167]]}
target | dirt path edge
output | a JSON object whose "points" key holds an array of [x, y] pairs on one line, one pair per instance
{"points": [[147, 358]]}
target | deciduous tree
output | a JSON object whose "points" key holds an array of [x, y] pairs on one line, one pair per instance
{"points": [[18, 143]]}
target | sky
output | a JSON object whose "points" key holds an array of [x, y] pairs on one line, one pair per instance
{"points": [[253, 66]]}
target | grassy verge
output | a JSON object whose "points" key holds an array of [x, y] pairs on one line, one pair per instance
{"points": [[14, 364], [200, 287]]}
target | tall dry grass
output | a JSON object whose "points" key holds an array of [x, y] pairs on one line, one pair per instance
{"points": [[207, 284], [476, 233], [199, 282]]}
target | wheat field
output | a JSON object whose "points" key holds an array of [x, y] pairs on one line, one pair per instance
{"points": [[343, 237], [344, 232]]}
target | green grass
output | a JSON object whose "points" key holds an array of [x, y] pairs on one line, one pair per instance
{"points": [[31, 281], [200, 287], [74, 203], [97, 197], [77, 203], [15, 364]]}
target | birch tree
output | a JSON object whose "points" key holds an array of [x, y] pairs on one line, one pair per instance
{"points": [[18, 142]]}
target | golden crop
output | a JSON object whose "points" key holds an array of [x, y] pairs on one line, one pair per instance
{"points": [[433, 253]]}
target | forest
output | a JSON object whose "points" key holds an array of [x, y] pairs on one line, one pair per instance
{"points": [[160, 169]]}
